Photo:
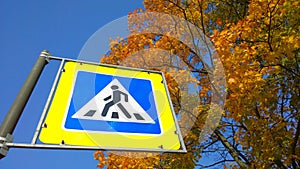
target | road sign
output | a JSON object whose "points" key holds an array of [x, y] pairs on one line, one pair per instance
{"points": [[107, 106]]}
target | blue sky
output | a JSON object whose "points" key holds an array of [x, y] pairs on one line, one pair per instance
{"points": [[62, 27]]}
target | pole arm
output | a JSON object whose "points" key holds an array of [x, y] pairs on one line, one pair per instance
{"points": [[15, 111]]}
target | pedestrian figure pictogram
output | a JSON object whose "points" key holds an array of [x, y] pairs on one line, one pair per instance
{"points": [[116, 98], [114, 103]]}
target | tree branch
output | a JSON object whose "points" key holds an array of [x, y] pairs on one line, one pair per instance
{"points": [[294, 144], [269, 32], [214, 164], [233, 152]]}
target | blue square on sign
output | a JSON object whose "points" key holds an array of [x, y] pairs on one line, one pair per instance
{"points": [[98, 103]]}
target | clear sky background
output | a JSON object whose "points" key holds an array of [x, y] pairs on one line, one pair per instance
{"points": [[62, 27]]}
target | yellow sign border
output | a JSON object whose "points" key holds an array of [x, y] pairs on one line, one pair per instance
{"points": [[54, 133]]}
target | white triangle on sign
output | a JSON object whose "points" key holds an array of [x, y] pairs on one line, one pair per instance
{"points": [[121, 106]]}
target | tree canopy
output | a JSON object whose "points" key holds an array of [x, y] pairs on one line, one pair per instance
{"points": [[258, 44]]}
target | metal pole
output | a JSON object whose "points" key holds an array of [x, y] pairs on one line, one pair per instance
{"points": [[13, 115]]}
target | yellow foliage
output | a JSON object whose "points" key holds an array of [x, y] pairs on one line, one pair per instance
{"points": [[258, 43]]}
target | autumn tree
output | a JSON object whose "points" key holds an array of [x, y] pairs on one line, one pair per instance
{"points": [[258, 43]]}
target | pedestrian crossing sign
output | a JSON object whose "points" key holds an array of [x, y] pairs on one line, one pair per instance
{"points": [[108, 106]]}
